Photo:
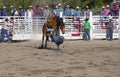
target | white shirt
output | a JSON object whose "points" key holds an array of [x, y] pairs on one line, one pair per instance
{"points": [[6, 25], [16, 13], [30, 13]]}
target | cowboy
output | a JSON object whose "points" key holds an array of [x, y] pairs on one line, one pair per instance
{"points": [[46, 12], [4, 31], [58, 40], [3, 11], [21, 11], [12, 10], [86, 28], [110, 27]]}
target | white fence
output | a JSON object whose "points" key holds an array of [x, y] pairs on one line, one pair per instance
{"points": [[27, 29], [99, 31]]}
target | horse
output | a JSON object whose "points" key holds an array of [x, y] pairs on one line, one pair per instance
{"points": [[54, 23]]}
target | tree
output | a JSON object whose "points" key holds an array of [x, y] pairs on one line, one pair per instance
{"points": [[15, 3]]}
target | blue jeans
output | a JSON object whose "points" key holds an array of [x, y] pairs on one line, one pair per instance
{"points": [[86, 34], [57, 42], [109, 34], [37, 17], [3, 33]]}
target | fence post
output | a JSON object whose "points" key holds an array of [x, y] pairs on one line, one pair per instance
{"points": [[91, 23]]}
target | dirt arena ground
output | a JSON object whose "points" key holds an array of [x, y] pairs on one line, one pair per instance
{"points": [[95, 58]]}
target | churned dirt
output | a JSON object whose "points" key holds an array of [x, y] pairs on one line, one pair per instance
{"points": [[95, 58]]}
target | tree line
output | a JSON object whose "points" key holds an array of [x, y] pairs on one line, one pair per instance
{"points": [[82, 3]]}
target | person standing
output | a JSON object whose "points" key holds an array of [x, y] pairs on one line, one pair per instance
{"points": [[78, 13], [30, 12], [30, 15], [107, 10], [56, 11], [4, 31], [21, 11], [67, 11], [102, 13], [60, 9], [115, 8], [46, 12], [3, 11], [37, 12], [86, 28], [72, 11], [87, 12], [12, 10], [110, 28]]}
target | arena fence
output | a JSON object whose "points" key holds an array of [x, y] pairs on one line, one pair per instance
{"points": [[28, 28]]}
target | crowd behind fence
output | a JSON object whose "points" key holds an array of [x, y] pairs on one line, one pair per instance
{"points": [[25, 28]]}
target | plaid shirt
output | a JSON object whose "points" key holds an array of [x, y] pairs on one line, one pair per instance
{"points": [[111, 25]]}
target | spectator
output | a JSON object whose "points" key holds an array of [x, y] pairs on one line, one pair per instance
{"points": [[30, 12], [46, 12], [67, 11], [42, 11], [87, 12], [86, 28], [56, 11], [110, 28], [72, 11], [37, 12], [12, 10], [78, 12], [115, 8], [60, 10], [3, 11], [103, 13], [21, 11], [107, 10], [106, 14], [4, 31]]}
